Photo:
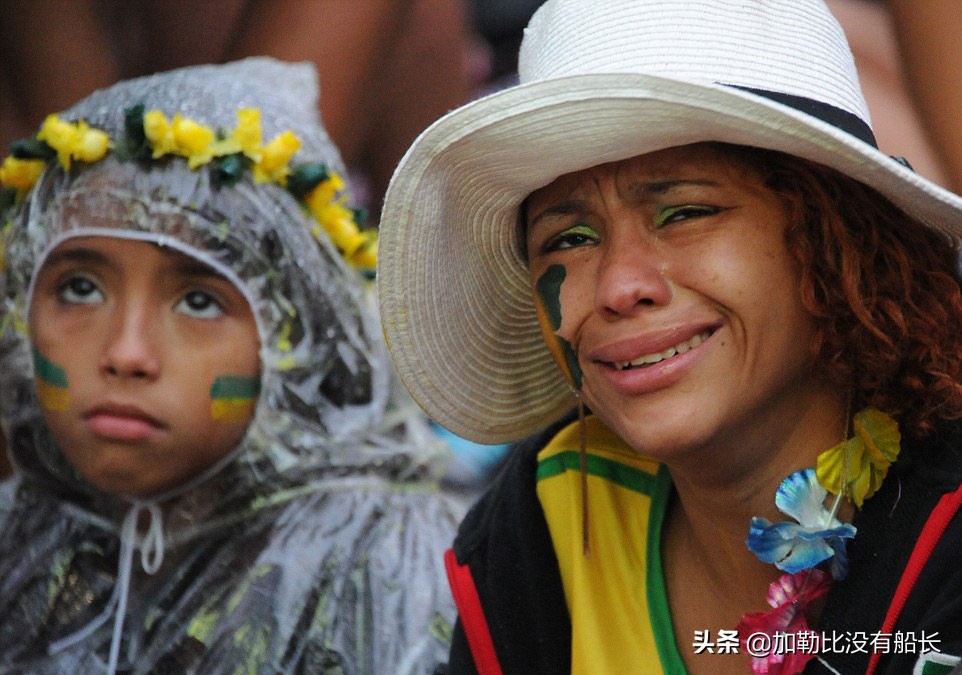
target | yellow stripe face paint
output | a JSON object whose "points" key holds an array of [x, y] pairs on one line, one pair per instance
{"points": [[51, 381], [232, 398]]}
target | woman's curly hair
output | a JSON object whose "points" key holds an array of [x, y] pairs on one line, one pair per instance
{"points": [[883, 287]]}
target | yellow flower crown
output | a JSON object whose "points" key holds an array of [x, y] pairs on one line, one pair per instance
{"points": [[150, 135]]}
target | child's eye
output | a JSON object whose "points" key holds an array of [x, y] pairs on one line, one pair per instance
{"points": [[79, 290], [572, 237], [200, 305], [674, 214]]}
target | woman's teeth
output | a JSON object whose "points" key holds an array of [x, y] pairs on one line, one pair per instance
{"points": [[649, 359]]}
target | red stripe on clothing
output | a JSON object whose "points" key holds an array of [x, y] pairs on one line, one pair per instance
{"points": [[935, 526], [472, 615]]}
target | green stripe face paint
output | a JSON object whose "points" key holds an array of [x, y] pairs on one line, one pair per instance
{"points": [[51, 382], [548, 289], [233, 398]]}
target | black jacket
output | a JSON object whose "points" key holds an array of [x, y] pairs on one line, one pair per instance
{"points": [[504, 542]]}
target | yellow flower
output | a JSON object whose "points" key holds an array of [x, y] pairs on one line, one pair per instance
{"points": [[859, 465], [338, 222], [193, 141], [159, 132], [91, 144], [21, 174], [324, 193], [365, 257], [275, 158], [60, 136], [247, 134], [73, 141]]}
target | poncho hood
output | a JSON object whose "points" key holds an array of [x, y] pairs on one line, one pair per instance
{"points": [[329, 417], [326, 378]]}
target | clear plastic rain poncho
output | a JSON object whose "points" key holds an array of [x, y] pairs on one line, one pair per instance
{"points": [[316, 546]]}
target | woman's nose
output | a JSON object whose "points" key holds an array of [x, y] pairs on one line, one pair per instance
{"points": [[632, 275], [131, 346]]}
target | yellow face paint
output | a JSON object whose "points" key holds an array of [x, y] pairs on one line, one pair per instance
{"points": [[233, 398], [548, 303], [51, 381]]}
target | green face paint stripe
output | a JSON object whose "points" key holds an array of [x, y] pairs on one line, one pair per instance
{"points": [[548, 287], [572, 360], [48, 371], [235, 387]]}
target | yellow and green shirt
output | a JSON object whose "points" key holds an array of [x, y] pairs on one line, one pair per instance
{"points": [[616, 595]]}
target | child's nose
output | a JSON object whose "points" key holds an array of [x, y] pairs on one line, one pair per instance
{"points": [[631, 276], [130, 348]]}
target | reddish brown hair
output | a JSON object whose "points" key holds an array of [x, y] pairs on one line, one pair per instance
{"points": [[884, 290]]}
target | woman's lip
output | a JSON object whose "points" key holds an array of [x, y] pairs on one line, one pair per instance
{"points": [[652, 377], [122, 423], [651, 342]]}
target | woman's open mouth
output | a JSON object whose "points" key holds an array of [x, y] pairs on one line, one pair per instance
{"points": [[657, 357]]}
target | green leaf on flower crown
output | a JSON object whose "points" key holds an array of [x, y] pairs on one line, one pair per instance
{"points": [[227, 170], [360, 216], [31, 148], [8, 197], [857, 466], [134, 144], [305, 177]]}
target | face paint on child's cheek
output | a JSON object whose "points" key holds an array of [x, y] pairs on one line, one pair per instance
{"points": [[51, 381], [548, 289], [233, 397]]}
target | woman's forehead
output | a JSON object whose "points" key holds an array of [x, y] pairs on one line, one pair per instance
{"points": [[699, 162]]}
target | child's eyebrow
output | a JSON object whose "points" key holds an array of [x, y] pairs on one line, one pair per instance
{"points": [[180, 264], [193, 268], [76, 255]]}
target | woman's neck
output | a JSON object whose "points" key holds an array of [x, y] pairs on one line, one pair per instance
{"points": [[713, 578]]}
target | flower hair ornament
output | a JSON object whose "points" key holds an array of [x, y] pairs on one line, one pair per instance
{"points": [[811, 551], [150, 135]]}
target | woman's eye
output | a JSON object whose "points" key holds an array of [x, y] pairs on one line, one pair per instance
{"points": [[79, 290], [674, 214], [200, 304], [573, 237]]}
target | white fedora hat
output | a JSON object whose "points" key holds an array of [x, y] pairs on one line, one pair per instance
{"points": [[601, 80]]}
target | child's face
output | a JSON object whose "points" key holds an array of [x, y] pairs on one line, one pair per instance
{"points": [[146, 362]]}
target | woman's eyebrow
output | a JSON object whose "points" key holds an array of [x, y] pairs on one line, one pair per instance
{"points": [[567, 207], [653, 188], [636, 192]]}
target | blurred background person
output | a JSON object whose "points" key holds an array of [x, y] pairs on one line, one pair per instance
{"points": [[387, 68], [907, 56]]}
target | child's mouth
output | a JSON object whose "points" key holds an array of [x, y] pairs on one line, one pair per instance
{"points": [[122, 423]]}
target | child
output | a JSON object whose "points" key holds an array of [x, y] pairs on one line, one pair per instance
{"points": [[215, 473]]}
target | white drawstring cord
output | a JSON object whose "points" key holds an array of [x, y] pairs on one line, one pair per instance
{"points": [[151, 558]]}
